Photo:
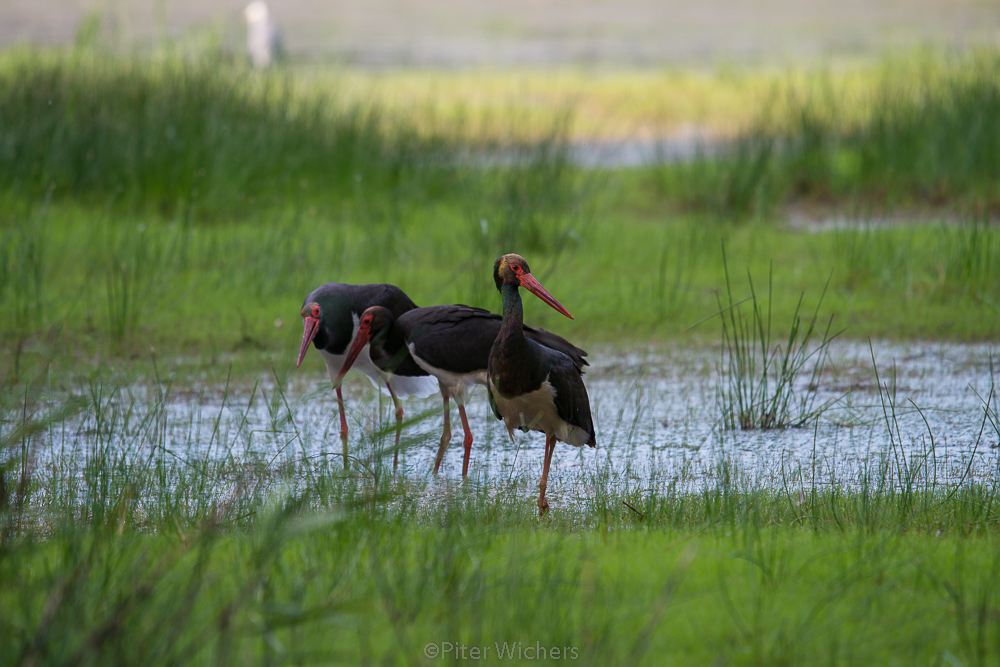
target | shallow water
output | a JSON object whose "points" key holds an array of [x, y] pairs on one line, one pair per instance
{"points": [[655, 411]]}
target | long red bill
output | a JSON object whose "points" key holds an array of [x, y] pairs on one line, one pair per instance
{"points": [[311, 325], [360, 340], [528, 281]]}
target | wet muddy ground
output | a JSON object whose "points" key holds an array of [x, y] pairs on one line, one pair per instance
{"points": [[656, 412]]}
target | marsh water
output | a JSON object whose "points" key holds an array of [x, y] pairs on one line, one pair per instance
{"points": [[656, 411]]}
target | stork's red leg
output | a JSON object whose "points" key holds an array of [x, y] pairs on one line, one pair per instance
{"points": [[399, 423], [343, 423], [550, 446], [446, 436], [468, 439]]}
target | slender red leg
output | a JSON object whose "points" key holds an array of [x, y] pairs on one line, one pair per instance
{"points": [[550, 446], [468, 439], [399, 425], [446, 436], [343, 424]]}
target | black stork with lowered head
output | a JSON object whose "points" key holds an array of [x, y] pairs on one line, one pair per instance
{"points": [[533, 387], [331, 315], [450, 343]]}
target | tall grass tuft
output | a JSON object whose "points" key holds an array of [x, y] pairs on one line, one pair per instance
{"points": [[760, 378]]}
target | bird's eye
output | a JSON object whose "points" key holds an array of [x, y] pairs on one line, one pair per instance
{"points": [[316, 312], [515, 267], [367, 321]]}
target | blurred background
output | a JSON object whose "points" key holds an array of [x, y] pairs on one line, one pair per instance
{"points": [[456, 34], [362, 138]]}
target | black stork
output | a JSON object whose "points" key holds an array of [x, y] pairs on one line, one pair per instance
{"points": [[331, 315], [450, 343], [530, 386]]}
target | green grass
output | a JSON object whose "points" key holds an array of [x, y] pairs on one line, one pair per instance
{"points": [[76, 284], [331, 589]]}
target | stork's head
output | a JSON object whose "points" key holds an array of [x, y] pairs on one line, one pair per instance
{"points": [[373, 328], [512, 269], [374, 324]]}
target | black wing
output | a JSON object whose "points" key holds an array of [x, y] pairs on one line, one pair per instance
{"points": [[559, 344], [364, 297], [458, 338], [492, 401], [454, 338], [572, 401]]}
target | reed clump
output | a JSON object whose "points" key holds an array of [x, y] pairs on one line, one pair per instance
{"points": [[767, 380]]}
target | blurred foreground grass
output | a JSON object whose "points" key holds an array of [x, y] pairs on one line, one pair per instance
{"points": [[122, 544]]}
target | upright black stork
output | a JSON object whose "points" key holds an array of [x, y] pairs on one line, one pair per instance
{"points": [[451, 343], [331, 314], [532, 387]]}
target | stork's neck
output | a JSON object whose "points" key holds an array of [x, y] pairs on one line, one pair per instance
{"points": [[513, 314], [514, 367], [388, 349], [378, 354]]}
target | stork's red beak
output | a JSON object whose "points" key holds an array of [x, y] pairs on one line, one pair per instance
{"points": [[311, 325], [528, 282], [360, 340]]}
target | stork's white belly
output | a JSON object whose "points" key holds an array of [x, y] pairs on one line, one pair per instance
{"points": [[422, 386], [537, 411], [456, 384], [363, 364]]}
